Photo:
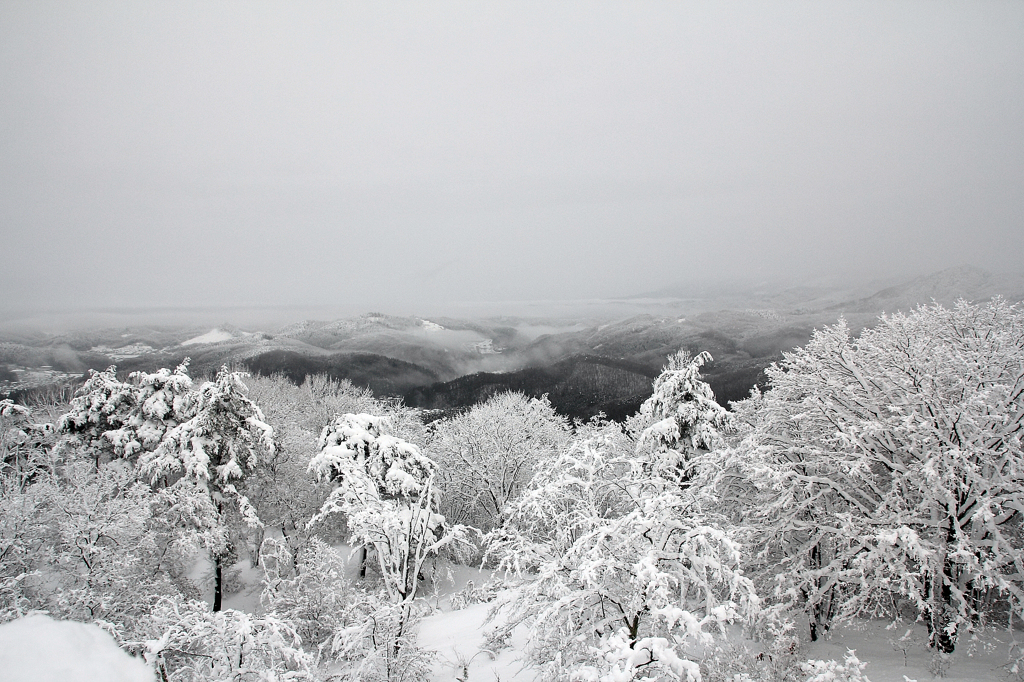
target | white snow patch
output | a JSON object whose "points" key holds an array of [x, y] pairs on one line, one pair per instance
{"points": [[460, 640], [132, 351], [891, 655], [38, 648], [485, 347], [212, 336], [432, 326], [463, 653]]}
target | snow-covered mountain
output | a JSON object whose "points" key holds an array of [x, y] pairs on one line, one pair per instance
{"points": [[944, 287], [744, 327]]}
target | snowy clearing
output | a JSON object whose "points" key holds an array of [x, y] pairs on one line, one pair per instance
{"points": [[459, 638]]}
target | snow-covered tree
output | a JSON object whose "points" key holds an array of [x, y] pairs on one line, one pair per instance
{"points": [[107, 560], [208, 454], [887, 470], [681, 419], [23, 543], [102, 405], [83, 544], [24, 443], [351, 625], [189, 643], [630, 565], [282, 489], [385, 489], [627, 565], [330, 397], [117, 419], [9, 408], [486, 456], [162, 400], [311, 591]]}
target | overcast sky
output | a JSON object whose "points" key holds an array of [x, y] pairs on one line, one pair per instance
{"points": [[396, 156]]}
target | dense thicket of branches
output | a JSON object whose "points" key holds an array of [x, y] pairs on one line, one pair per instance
{"points": [[886, 471]]}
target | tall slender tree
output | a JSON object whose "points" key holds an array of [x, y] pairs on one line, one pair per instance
{"points": [[206, 455], [385, 489]]}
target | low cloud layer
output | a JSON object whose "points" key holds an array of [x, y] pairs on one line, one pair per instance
{"points": [[404, 158]]}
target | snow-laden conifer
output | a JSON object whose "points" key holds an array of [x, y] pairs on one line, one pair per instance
{"points": [[162, 400], [102, 405], [124, 418], [24, 443], [203, 457], [681, 419], [626, 565]]}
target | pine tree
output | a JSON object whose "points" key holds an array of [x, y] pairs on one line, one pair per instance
{"points": [[207, 454], [121, 419], [681, 419]]}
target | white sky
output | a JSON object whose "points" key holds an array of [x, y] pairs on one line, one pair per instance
{"points": [[396, 156]]}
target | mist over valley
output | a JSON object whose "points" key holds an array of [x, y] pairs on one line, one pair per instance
{"points": [[586, 364]]}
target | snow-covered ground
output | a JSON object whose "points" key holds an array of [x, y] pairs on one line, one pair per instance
{"points": [[38, 648], [977, 659], [460, 640], [459, 637]]}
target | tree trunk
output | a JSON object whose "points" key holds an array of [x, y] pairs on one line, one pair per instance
{"points": [[942, 614], [820, 613], [254, 556], [944, 633], [404, 613], [634, 629], [362, 563], [218, 584]]}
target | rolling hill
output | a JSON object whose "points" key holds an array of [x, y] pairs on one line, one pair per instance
{"points": [[584, 365]]}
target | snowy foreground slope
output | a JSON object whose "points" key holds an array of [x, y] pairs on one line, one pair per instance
{"points": [[982, 659], [40, 649], [459, 639]]}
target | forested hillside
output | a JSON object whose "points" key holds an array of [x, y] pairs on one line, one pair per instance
{"points": [[586, 365], [877, 477]]}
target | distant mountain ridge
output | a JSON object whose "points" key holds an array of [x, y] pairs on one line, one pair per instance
{"points": [[584, 365], [580, 387], [943, 287]]}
